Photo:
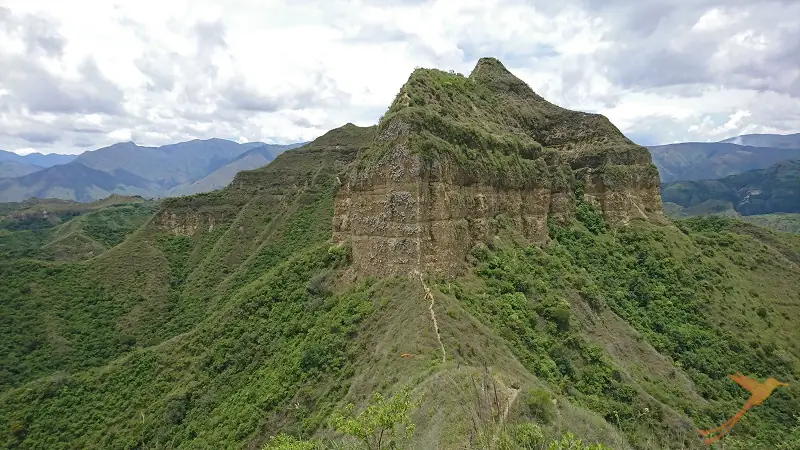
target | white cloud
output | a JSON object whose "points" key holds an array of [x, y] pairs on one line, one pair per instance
{"points": [[120, 135], [718, 18], [160, 71]]}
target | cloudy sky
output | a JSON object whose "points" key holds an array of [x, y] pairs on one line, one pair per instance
{"points": [[82, 74]]}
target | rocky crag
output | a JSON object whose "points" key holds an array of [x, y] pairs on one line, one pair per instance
{"points": [[453, 156]]}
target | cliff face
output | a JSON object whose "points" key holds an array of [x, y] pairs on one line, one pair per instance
{"points": [[455, 157]]}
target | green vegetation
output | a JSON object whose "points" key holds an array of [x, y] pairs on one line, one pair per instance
{"points": [[789, 223], [381, 425], [229, 319], [57, 236], [492, 128], [710, 160], [691, 294], [775, 189], [188, 338]]}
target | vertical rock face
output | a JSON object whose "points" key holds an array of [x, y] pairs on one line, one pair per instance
{"points": [[455, 158]]}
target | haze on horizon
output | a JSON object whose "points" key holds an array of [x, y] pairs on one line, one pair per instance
{"points": [[82, 75]]}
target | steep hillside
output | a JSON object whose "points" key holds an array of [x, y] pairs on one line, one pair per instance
{"points": [[767, 140], [707, 160], [178, 272], [269, 305], [775, 189]]}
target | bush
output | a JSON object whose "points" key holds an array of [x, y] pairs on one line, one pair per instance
{"points": [[570, 442], [591, 218], [540, 405], [560, 315], [284, 441], [176, 408], [529, 436], [339, 255], [318, 284], [381, 425]]}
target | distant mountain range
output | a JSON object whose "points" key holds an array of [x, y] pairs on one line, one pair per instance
{"points": [[36, 159], [203, 165], [11, 168], [767, 140], [709, 160], [775, 189], [128, 169]]}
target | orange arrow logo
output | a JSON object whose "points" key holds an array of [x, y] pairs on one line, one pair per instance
{"points": [[758, 394]]}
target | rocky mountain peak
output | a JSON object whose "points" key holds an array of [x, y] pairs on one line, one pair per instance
{"points": [[453, 154], [491, 73]]}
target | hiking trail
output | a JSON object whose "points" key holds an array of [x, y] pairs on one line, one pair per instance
{"points": [[429, 296]]}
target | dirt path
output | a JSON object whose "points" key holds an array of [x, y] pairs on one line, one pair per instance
{"points": [[429, 296], [512, 397]]}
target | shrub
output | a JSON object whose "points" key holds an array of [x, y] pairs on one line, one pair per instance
{"points": [[339, 255], [284, 441], [540, 405], [591, 218], [176, 408], [570, 442], [529, 436], [318, 284], [381, 424]]}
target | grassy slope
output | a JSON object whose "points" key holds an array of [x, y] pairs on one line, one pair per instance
{"points": [[714, 301]]}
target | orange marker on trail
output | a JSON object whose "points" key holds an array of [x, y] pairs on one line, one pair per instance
{"points": [[759, 392], [406, 355]]}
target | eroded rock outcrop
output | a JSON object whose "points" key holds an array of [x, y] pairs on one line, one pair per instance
{"points": [[457, 157]]}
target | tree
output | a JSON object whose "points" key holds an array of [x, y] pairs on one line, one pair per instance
{"points": [[381, 425], [284, 441]]}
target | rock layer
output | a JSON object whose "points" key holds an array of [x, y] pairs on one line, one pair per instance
{"points": [[456, 158]]}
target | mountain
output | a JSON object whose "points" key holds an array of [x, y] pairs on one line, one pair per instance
{"points": [[168, 165], [74, 181], [128, 169], [775, 189], [37, 159], [707, 160], [63, 230], [786, 141], [40, 213], [221, 177], [482, 146], [12, 168], [328, 297]]}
